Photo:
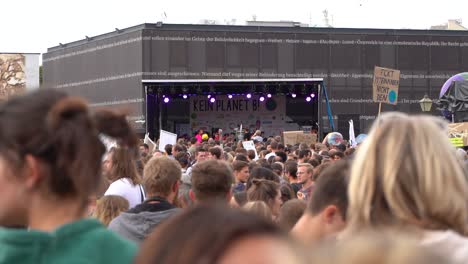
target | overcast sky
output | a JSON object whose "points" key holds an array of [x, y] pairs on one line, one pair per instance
{"points": [[35, 25]]}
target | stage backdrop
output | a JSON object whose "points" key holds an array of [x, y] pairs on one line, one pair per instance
{"points": [[228, 114]]}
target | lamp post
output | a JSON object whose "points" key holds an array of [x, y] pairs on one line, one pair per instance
{"points": [[426, 103]]}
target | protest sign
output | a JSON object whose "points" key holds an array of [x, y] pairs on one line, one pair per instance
{"points": [[385, 85], [166, 138]]}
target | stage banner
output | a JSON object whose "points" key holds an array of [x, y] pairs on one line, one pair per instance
{"points": [[385, 85], [231, 113]]}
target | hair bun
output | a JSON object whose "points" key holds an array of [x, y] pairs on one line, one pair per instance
{"points": [[66, 109], [257, 181]]}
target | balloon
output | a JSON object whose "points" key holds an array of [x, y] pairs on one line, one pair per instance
{"points": [[334, 138], [360, 138], [205, 137]]}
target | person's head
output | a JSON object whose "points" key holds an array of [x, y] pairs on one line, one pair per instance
{"points": [[251, 154], [338, 155], [109, 207], [238, 199], [305, 171], [314, 162], [211, 181], [287, 192], [258, 208], [122, 164], [215, 153], [326, 210], [274, 146], [304, 154], [177, 148], [161, 178], [268, 192], [290, 213], [193, 141], [241, 170], [261, 173], [406, 175], [182, 158], [50, 154], [201, 154], [241, 157], [281, 156], [217, 235], [200, 132], [290, 169], [378, 247], [144, 148], [349, 152], [168, 149], [277, 168]]}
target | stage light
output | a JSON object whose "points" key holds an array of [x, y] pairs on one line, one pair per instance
{"points": [[269, 95], [293, 95], [262, 98], [209, 96], [308, 99], [164, 96], [249, 96], [230, 96], [166, 100], [312, 95], [184, 96], [212, 100]]}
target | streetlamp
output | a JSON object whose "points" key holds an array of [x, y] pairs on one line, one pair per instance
{"points": [[426, 103]]}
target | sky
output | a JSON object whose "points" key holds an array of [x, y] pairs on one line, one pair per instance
{"points": [[35, 25]]}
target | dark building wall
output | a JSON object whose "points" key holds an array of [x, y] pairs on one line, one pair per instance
{"points": [[345, 58], [107, 72]]}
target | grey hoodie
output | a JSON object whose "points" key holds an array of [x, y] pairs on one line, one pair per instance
{"points": [[137, 223]]}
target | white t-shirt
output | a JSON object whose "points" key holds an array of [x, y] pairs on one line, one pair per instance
{"points": [[271, 154], [124, 188]]}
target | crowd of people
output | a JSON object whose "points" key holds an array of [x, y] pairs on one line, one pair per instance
{"points": [[399, 197]]}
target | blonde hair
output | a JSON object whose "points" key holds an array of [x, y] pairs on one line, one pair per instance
{"points": [[406, 174], [371, 248], [160, 175], [258, 208], [109, 207]]}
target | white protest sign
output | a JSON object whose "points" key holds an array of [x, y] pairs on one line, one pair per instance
{"points": [[250, 145], [166, 138]]}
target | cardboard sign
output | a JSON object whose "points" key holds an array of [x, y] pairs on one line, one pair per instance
{"points": [[295, 137], [385, 85]]}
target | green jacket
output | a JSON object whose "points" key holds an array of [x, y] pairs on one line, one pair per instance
{"points": [[85, 241]]}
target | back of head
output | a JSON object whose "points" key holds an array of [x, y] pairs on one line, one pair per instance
{"points": [[241, 157], [109, 207], [168, 149], [123, 165], [160, 175], [263, 190], [205, 233], [290, 213], [331, 189], [261, 173], [259, 208], [211, 181], [216, 152], [291, 168], [251, 154], [406, 174], [183, 158], [61, 135], [371, 248]]}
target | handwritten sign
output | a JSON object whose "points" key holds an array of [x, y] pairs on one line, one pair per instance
{"points": [[295, 137], [385, 85]]}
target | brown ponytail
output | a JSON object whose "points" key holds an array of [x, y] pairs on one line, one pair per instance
{"points": [[263, 190], [60, 131]]}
